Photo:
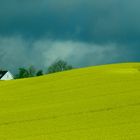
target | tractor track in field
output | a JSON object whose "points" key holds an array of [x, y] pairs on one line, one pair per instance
{"points": [[70, 114]]}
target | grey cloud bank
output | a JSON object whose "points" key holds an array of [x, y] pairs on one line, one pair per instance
{"points": [[16, 53], [82, 32]]}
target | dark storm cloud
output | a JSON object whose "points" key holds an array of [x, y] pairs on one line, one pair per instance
{"points": [[88, 20], [82, 32]]}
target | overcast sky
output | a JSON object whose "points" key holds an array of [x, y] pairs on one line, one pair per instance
{"points": [[82, 32]]}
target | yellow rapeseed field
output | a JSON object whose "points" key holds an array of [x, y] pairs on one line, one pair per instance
{"points": [[94, 103]]}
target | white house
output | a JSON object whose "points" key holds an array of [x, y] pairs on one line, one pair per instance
{"points": [[6, 75]]}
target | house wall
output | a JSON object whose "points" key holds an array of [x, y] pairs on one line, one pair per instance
{"points": [[7, 76]]}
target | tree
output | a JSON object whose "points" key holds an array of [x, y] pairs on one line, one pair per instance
{"points": [[31, 71], [59, 65], [39, 73], [25, 73]]}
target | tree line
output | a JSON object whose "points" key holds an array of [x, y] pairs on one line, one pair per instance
{"points": [[57, 66]]}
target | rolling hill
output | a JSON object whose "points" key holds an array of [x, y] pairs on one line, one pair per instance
{"points": [[94, 103]]}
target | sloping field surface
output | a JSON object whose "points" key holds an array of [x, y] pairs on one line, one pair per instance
{"points": [[95, 103]]}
